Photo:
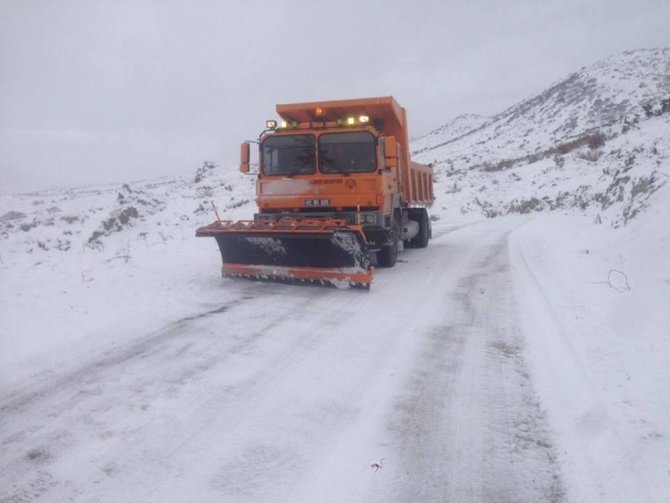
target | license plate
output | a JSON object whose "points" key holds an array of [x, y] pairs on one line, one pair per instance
{"points": [[316, 202]]}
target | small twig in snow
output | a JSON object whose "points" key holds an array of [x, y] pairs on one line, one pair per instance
{"points": [[621, 285], [379, 465], [125, 258], [615, 273]]}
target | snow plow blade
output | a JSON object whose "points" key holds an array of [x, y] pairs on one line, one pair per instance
{"points": [[323, 251]]}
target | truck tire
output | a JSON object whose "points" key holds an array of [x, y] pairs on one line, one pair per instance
{"points": [[421, 239], [388, 255]]}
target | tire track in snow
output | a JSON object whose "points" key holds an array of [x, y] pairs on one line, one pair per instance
{"points": [[15, 401], [469, 427], [93, 398]]}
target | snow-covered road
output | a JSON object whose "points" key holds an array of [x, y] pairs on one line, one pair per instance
{"points": [[290, 393]]}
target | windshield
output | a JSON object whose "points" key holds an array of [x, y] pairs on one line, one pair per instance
{"points": [[288, 155], [347, 152]]}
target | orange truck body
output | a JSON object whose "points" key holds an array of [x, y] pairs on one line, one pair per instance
{"points": [[399, 175], [345, 164]]}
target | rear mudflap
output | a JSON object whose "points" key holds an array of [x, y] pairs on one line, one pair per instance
{"points": [[299, 250]]}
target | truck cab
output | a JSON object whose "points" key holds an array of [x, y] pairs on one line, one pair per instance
{"points": [[343, 159]]}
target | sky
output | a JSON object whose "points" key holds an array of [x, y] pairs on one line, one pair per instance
{"points": [[117, 91]]}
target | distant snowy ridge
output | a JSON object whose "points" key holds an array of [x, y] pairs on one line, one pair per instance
{"points": [[597, 141], [449, 132], [619, 90], [113, 218]]}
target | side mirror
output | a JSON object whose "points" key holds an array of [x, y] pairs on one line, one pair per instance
{"points": [[244, 158], [390, 151]]}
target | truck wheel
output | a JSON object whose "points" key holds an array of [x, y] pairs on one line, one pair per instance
{"points": [[387, 256], [421, 239]]}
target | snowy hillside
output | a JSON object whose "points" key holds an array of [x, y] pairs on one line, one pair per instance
{"points": [[110, 218], [596, 142], [66, 254], [449, 132], [597, 138], [532, 363]]}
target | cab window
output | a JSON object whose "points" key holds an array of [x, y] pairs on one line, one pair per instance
{"points": [[288, 154], [347, 152]]}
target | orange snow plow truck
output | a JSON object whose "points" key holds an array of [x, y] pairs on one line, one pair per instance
{"points": [[336, 192]]}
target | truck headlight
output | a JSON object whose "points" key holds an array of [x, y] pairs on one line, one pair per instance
{"points": [[366, 218]]}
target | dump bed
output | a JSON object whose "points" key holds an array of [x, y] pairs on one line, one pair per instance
{"points": [[389, 118], [418, 187]]}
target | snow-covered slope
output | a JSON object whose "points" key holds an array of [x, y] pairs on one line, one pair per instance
{"points": [[114, 217], [596, 141], [85, 266], [592, 276], [452, 130]]}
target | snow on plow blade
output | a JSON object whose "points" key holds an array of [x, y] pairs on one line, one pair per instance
{"points": [[325, 251]]}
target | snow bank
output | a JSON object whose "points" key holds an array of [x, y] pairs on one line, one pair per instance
{"points": [[593, 305], [83, 268]]}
